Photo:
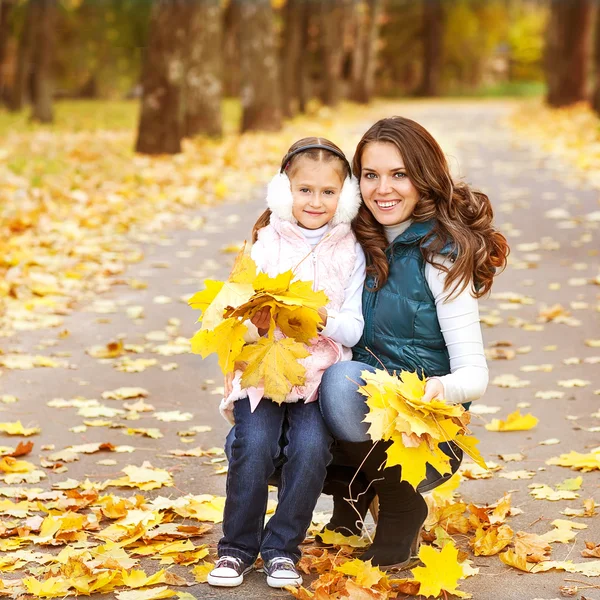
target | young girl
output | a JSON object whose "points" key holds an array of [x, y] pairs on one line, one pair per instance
{"points": [[306, 228]]}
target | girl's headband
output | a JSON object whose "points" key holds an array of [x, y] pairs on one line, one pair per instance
{"points": [[286, 160]]}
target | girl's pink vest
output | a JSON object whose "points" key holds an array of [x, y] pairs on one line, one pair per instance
{"points": [[330, 265]]}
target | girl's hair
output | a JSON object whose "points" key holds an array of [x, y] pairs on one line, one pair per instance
{"points": [[316, 154], [462, 216]]}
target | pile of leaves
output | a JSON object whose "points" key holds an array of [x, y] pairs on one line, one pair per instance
{"points": [[415, 427], [270, 361]]}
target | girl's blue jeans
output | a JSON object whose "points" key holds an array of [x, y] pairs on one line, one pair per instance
{"points": [[344, 410], [292, 436]]}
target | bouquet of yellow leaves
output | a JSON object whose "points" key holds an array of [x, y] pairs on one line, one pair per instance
{"points": [[398, 413], [272, 360]]}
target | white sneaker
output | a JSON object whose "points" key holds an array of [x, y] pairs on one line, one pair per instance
{"points": [[228, 572], [282, 571]]}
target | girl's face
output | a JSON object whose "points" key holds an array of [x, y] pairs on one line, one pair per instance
{"points": [[316, 188], [386, 189]]}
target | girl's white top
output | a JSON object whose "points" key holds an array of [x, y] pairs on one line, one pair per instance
{"points": [[460, 325], [344, 326]]}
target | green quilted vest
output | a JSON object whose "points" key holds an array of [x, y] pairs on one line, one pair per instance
{"points": [[401, 325]]}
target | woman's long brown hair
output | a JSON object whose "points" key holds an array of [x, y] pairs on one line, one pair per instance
{"points": [[462, 216], [316, 154]]}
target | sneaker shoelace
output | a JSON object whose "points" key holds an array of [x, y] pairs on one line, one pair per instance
{"points": [[229, 562], [282, 564]]}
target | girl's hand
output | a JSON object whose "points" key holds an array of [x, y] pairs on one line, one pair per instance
{"points": [[323, 314], [228, 384], [262, 319], [434, 390]]}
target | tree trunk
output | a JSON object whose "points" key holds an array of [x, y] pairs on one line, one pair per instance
{"points": [[302, 63], [45, 15], [260, 93], [231, 49], [21, 87], [567, 51], [365, 53], [433, 31], [6, 7], [203, 86], [596, 93], [292, 62], [332, 44], [161, 121]]}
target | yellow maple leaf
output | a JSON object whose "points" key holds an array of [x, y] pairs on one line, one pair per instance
{"points": [[532, 546], [514, 422], [467, 444], [274, 364], [578, 461], [201, 300], [412, 386], [273, 285], [244, 268], [202, 570], [515, 559], [488, 542], [52, 587], [339, 539], [414, 460], [231, 294], [9, 464], [226, 340], [381, 416], [137, 578], [298, 322], [156, 593], [441, 572], [16, 428], [365, 574]]}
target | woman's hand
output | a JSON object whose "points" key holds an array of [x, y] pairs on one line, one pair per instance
{"points": [[228, 384], [434, 390], [262, 319]]}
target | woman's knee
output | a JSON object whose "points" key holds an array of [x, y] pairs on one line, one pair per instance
{"points": [[342, 406]]}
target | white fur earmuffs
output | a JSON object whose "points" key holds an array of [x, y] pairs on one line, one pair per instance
{"points": [[280, 200]]}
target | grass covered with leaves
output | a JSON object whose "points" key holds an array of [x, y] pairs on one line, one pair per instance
{"points": [[75, 196]]}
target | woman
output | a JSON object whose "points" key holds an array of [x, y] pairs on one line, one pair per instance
{"points": [[431, 253]]}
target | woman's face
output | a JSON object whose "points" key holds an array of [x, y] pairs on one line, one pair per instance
{"points": [[386, 189]]}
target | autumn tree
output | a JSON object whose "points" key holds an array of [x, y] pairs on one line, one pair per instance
{"points": [[259, 73], [364, 57], [333, 20], [568, 51], [203, 88], [596, 92], [21, 90], [432, 35], [45, 16], [161, 124], [293, 58], [6, 7]]}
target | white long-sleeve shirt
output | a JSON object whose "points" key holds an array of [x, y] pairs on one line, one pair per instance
{"points": [[344, 326], [461, 329]]}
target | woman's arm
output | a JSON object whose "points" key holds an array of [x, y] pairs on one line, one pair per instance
{"points": [[460, 325], [346, 325]]}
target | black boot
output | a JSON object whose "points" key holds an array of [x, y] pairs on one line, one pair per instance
{"points": [[344, 484], [402, 510]]}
